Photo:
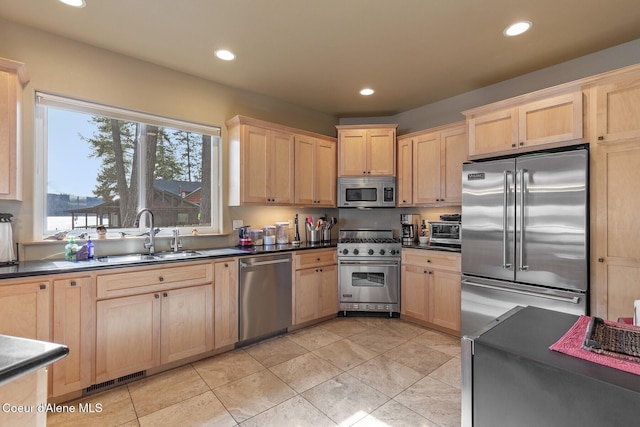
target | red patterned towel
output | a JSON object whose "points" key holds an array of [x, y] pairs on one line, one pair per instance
{"points": [[571, 344]]}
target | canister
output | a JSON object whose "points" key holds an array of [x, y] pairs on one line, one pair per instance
{"points": [[282, 233], [256, 236], [269, 234]]}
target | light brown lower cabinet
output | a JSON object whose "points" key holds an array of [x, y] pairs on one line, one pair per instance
{"points": [[140, 332], [430, 288], [226, 302], [73, 326], [25, 308], [315, 290]]}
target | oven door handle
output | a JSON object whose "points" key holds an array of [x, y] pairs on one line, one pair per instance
{"points": [[367, 263]]}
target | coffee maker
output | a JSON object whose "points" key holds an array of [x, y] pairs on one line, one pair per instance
{"points": [[410, 230]]}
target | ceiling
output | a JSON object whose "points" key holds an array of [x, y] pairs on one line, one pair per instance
{"points": [[319, 54]]}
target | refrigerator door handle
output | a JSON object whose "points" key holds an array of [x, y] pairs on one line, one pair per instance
{"points": [[523, 191], [505, 222], [572, 300]]}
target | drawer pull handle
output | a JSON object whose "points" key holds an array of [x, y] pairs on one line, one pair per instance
{"points": [[226, 265], [42, 287], [161, 278], [73, 283]]}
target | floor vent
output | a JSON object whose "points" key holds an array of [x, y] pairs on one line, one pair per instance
{"points": [[113, 383]]}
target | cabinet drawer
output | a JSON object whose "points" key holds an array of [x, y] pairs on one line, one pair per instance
{"points": [[314, 258], [433, 259], [144, 280]]}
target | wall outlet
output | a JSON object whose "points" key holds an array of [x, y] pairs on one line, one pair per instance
{"points": [[237, 223]]}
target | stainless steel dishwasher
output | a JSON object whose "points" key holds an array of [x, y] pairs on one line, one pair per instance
{"points": [[265, 296]]}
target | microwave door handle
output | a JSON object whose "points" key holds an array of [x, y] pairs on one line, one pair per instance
{"points": [[505, 221], [523, 192]]}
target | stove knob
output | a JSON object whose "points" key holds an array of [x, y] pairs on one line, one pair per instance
{"points": [[381, 251], [393, 251], [345, 251], [356, 252], [370, 252]]}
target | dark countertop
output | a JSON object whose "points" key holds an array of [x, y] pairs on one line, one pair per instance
{"points": [[518, 381], [20, 356], [428, 247], [38, 268], [529, 334]]}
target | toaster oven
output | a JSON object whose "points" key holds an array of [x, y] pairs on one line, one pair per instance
{"points": [[444, 233]]}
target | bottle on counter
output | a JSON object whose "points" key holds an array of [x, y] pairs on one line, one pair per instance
{"points": [[90, 248], [71, 249]]}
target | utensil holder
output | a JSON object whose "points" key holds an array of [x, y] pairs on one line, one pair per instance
{"points": [[326, 235], [314, 236]]}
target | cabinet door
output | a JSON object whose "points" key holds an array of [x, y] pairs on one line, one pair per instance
{"points": [[74, 326], [226, 303], [280, 168], [127, 335], [25, 310], [617, 235], [12, 77], [305, 163], [381, 152], [404, 183], [325, 174], [426, 169], [306, 293], [551, 120], [352, 156], [328, 298], [414, 292], [255, 166], [186, 326], [445, 294], [493, 132], [454, 148], [618, 110]]}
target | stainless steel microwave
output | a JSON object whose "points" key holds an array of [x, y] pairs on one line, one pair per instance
{"points": [[367, 192]]}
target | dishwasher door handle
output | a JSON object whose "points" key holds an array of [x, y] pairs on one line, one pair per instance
{"points": [[259, 263]]}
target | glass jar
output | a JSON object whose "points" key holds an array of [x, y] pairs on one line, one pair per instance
{"points": [[256, 237], [282, 233], [269, 234]]}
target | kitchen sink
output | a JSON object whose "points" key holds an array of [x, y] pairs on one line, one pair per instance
{"points": [[177, 255], [115, 259]]}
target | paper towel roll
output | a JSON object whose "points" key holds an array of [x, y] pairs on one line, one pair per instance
{"points": [[6, 243]]}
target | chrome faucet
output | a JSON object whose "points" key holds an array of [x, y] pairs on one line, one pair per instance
{"points": [[176, 243], [149, 242]]}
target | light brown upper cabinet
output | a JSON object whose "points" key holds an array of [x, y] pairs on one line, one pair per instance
{"points": [[13, 76], [262, 156], [315, 171], [430, 166], [367, 150], [525, 123], [618, 110], [260, 164]]}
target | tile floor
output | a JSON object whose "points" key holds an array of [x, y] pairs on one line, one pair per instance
{"points": [[354, 371]]}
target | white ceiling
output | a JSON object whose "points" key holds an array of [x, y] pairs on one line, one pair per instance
{"points": [[319, 54]]}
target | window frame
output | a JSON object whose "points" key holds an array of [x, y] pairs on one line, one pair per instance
{"points": [[44, 100]]}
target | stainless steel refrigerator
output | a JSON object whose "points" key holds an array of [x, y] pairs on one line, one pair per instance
{"points": [[525, 237]]}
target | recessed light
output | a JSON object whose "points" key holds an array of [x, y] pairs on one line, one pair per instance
{"points": [[225, 55], [367, 92], [517, 28], [74, 3]]}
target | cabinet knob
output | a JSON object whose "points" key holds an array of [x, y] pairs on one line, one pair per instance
{"points": [[164, 294], [601, 138], [73, 283], [156, 296], [429, 261], [43, 287], [600, 259], [364, 172], [320, 270], [430, 272], [521, 143], [226, 265], [513, 145], [161, 279]]}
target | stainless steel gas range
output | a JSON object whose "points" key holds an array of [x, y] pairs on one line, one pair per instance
{"points": [[369, 271]]}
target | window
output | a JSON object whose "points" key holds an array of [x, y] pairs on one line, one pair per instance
{"points": [[103, 164]]}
